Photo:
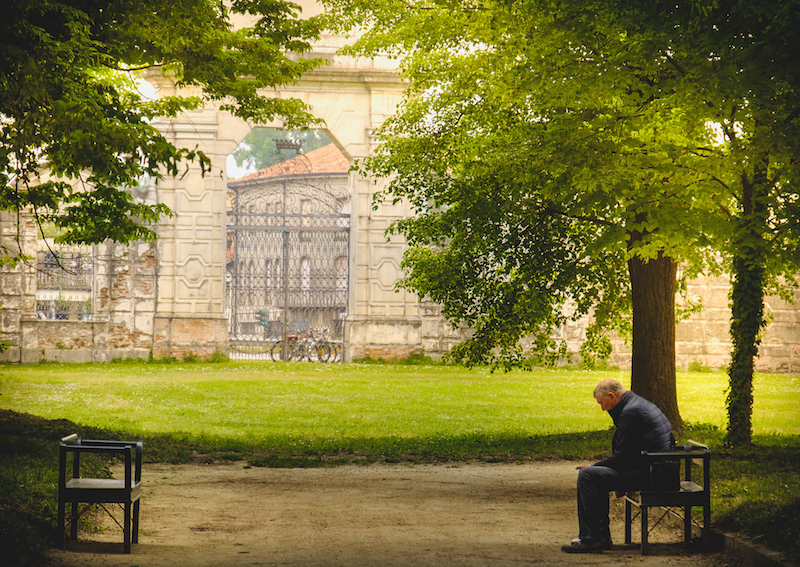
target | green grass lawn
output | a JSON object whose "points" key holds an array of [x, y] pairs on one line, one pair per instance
{"points": [[266, 401], [275, 414]]}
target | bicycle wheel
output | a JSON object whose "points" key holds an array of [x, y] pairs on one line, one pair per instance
{"points": [[298, 351], [300, 354], [277, 352], [324, 352]]}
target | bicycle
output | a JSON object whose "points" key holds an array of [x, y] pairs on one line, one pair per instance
{"points": [[327, 350], [302, 347]]}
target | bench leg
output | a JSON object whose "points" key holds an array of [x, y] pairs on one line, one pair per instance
{"points": [[135, 535], [687, 525], [126, 530], [707, 526], [643, 513], [75, 512], [628, 521]]}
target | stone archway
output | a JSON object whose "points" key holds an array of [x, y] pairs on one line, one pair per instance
{"points": [[352, 97]]}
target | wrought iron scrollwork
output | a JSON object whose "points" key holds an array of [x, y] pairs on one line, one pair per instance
{"points": [[287, 258]]}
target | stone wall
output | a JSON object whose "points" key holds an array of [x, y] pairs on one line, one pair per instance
{"points": [[124, 322], [389, 325], [17, 283], [125, 298], [199, 336], [704, 338]]}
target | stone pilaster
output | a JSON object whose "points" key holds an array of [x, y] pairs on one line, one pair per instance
{"points": [[17, 283]]}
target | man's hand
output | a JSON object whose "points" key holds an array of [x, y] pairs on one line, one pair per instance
{"points": [[579, 467]]}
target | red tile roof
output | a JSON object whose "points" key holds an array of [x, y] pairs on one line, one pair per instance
{"points": [[324, 160]]}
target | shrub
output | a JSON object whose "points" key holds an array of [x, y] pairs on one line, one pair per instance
{"points": [[697, 366]]}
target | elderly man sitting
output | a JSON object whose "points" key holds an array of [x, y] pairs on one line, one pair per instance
{"points": [[640, 426]]}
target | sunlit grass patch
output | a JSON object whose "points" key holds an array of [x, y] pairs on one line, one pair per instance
{"points": [[266, 400]]}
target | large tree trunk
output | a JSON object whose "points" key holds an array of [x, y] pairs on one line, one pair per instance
{"points": [[653, 364]]}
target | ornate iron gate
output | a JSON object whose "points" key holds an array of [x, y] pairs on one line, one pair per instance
{"points": [[287, 263]]}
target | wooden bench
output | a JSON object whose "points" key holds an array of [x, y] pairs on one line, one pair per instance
{"points": [[663, 487], [75, 489]]}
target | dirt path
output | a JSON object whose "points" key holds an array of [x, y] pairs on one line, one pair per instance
{"points": [[459, 515]]}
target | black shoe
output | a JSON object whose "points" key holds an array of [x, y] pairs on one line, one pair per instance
{"points": [[587, 546], [607, 543]]}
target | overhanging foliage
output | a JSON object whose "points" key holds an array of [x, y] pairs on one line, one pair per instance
{"points": [[75, 128]]}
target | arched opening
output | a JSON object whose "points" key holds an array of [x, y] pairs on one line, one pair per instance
{"points": [[288, 216]]}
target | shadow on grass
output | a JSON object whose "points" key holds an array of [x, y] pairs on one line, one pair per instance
{"points": [[756, 492]]}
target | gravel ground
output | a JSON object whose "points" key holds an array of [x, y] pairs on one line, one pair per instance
{"points": [[360, 516]]}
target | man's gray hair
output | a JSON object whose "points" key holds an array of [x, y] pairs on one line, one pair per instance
{"points": [[606, 386]]}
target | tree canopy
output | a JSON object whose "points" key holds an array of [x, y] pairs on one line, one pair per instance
{"points": [[548, 147], [76, 129], [738, 58]]}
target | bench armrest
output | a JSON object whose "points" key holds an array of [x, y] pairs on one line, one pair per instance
{"points": [[663, 461], [74, 444]]}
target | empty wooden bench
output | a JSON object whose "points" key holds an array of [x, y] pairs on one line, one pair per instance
{"points": [[75, 489], [665, 487]]}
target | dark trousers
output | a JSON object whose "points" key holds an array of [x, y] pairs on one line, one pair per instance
{"points": [[594, 484]]}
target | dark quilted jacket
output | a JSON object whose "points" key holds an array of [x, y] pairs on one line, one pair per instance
{"points": [[640, 426]]}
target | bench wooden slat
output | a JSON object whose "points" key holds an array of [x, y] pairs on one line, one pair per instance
{"points": [[96, 483]]}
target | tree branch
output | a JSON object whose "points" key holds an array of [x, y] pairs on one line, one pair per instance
{"points": [[594, 220], [674, 63]]}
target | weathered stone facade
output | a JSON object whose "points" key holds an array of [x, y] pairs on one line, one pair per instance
{"points": [[121, 321], [705, 337], [17, 284]]}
